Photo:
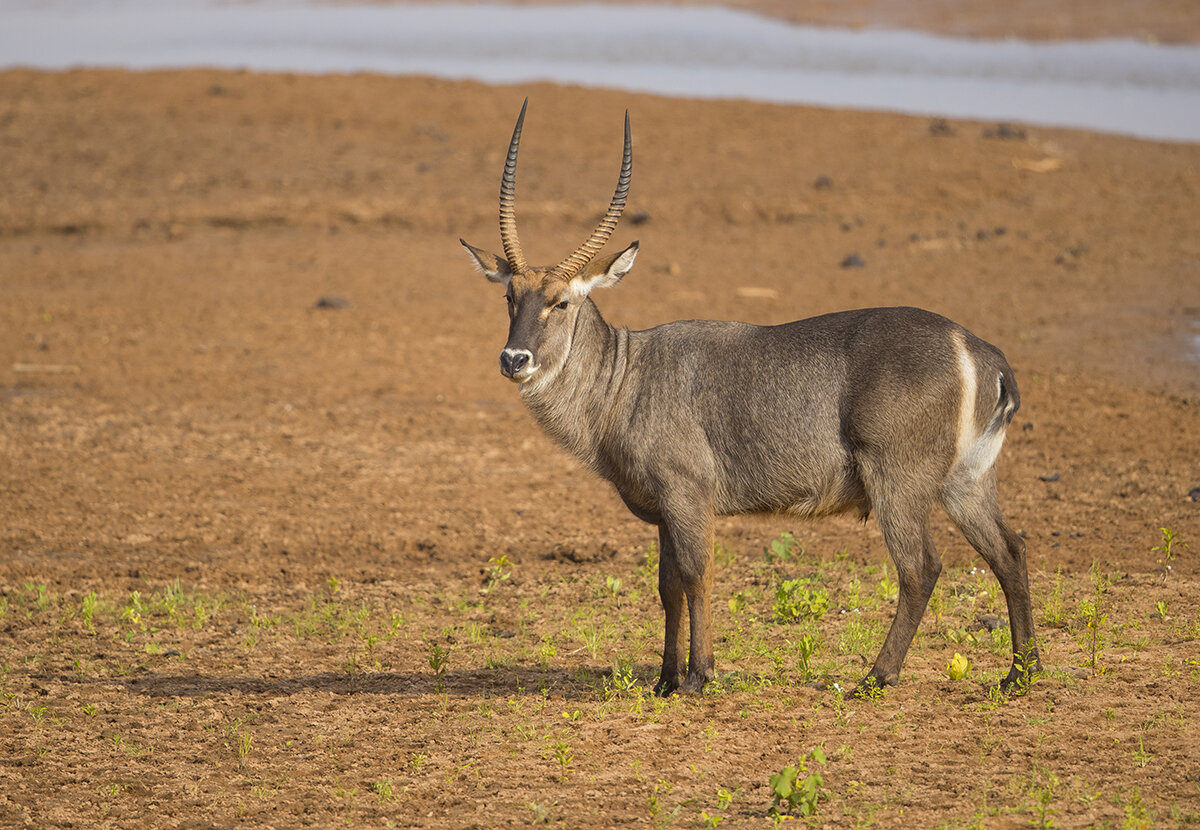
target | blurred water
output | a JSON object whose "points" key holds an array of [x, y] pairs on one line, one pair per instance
{"points": [[1117, 86]]}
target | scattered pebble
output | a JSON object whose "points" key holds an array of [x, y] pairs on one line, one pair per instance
{"points": [[940, 127], [1005, 132], [1194, 494], [854, 261], [989, 621], [823, 182], [1049, 477], [332, 301]]}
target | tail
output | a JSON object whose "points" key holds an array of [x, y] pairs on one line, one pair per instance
{"points": [[1008, 399]]}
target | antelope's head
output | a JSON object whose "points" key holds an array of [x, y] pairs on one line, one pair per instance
{"points": [[544, 302]]}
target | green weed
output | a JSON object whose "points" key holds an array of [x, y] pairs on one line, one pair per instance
{"points": [[383, 790], [499, 570], [797, 601], [795, 795], [1166, 550], [781, 549]]}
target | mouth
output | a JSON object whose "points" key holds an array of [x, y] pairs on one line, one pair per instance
{"points": [[524, 375]]}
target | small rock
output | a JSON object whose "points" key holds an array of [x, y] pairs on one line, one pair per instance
{"points": [[332, 301], [854, 261], [1049, 477], [823, 182], [1194, 494], [989, 621], [1005, 132], [940, 127], [639, 218]]}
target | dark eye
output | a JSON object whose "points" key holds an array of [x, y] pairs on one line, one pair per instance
{"points": [[562, 306], [508, 299]]}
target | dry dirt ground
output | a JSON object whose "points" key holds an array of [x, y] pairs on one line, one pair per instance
{"points": [[276, 561]]}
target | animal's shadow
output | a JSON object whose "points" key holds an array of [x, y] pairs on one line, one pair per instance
{"points": [[572, 683]]}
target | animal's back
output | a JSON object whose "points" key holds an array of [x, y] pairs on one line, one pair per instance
{"points": [[774, 416]]}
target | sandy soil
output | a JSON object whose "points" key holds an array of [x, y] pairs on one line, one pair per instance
{"points": [[176, 404]]}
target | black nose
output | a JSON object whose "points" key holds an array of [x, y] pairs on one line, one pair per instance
{"points": [[512, 362]]}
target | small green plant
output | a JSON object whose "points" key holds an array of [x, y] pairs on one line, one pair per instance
{"points": [[622, 680], [244, 742], [739, 602], [781, 549], [958, 667], [795, 795], [887, 589], [806, 649], [135, 611], [656, 805], [1166, 550], [796, 601], [1044, 797], [87, 609], [383, 790], [498, 570], [723, 554], [1092, 612], [563, 757], [1053, 609], [612, 585], [1141, 755], [1137, 816], [648, 570], [541, 814], [439, 658]]}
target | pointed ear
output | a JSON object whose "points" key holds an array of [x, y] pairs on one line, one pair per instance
{"points": [[493, 267], [604, 272]]}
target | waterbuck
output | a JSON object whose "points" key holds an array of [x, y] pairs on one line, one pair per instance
{"points": [[890, 410]]}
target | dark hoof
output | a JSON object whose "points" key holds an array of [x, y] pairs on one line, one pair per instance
{"points": [[1019, 680], [666, 687], [871, 688]]}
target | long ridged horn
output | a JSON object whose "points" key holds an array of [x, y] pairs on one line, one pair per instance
{"points": [[508, 216], [570, 267]]}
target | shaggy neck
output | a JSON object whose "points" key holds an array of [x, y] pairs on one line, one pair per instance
{"points": [[574, 405]]}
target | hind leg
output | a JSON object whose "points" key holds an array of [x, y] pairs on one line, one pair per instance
{"points": [[918, 566], [974, 508], [903, 500]]}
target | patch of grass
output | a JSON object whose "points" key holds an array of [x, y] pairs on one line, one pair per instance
{"points": [[796, 600]]}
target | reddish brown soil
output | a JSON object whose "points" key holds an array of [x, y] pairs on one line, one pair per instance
{"points": [[175, 405]]}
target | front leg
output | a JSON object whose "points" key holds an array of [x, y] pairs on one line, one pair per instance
{"points": [[691, 538], [670, 590]]}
